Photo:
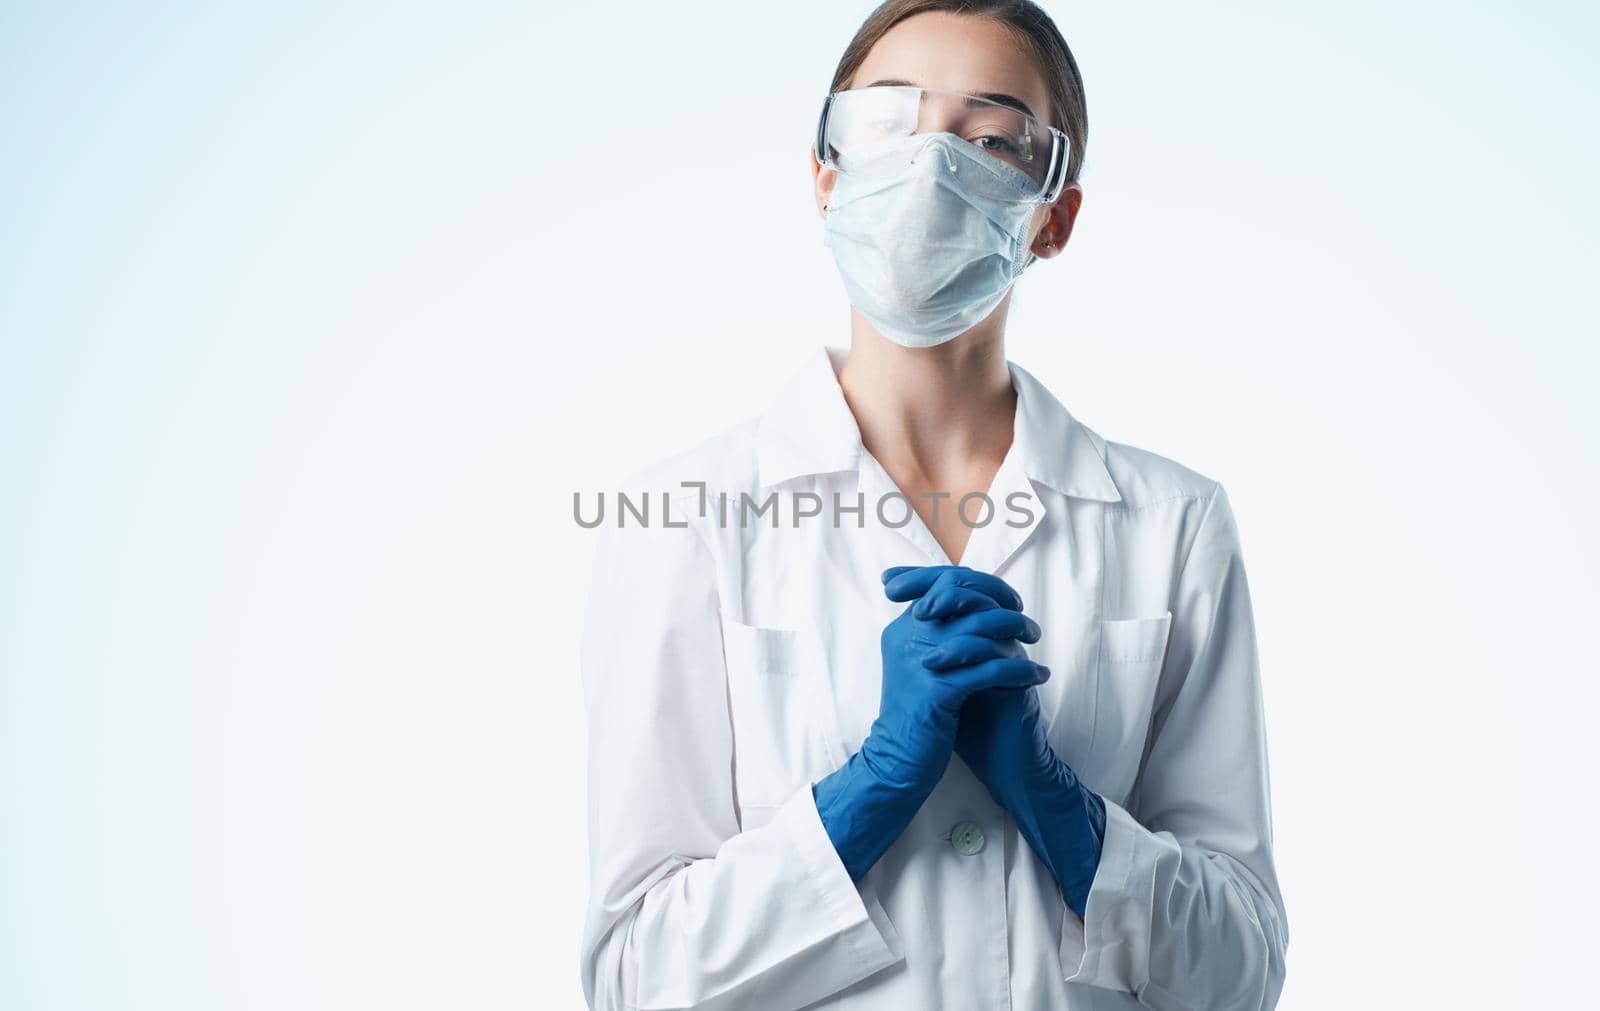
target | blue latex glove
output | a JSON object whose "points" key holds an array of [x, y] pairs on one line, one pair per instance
{"points": [[866, 803], [1002, 741]]}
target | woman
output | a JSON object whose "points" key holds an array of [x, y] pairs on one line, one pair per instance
{"points": [[828, 767]]}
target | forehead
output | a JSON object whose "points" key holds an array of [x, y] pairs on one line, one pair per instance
{"points": [[937, 49]]}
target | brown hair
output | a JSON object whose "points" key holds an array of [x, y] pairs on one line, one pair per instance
{"points": [[1034, 31]]}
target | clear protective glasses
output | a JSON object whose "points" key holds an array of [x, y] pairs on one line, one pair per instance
{"points": [[856, 119]]}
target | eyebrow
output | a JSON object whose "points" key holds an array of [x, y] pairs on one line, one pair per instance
{"points": [[997, 97]]}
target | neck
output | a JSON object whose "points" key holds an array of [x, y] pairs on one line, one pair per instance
{"points": [[932, 411]]}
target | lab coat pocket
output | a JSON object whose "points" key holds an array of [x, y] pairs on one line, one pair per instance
{"points": [[777, 691], [1130, 658]]}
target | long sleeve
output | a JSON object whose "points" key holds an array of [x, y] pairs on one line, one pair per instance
{"points": [[1185, 910], [685, 910]]}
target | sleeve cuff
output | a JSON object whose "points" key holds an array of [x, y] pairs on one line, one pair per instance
{"points": [[857, 915], [1110, 946]]}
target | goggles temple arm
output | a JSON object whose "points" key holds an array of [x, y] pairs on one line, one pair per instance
{"points": [[822, 127]]}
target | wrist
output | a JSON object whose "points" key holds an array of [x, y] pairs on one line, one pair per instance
{"points": [[1044, 773], [910, 761], [1069, 819], [863, 812], [1011, 770]]}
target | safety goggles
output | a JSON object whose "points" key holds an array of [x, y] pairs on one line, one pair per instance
{"points": [[856, 119]]}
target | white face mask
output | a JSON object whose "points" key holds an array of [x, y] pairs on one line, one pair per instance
{"points": [[928, 233]]}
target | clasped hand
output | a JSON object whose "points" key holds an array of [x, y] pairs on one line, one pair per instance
{"points": [[963, 633], [956, 680]]}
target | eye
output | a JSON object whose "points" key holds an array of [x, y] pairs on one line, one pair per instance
{"points": [[998, 144]]}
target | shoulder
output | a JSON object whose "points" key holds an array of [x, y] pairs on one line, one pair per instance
{"points": [[1166, 498], [662, 511], [1175, 504], [1145, 478], [726, 461]]}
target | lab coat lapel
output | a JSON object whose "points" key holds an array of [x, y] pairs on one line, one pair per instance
{"points": [[1001, 525], [887, 505], [1049, 450]]}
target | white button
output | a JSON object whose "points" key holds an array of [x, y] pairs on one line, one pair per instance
{"points": [[966, 837]]}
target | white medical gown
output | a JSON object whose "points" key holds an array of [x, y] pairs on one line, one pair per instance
{"points": [[730, 660]]}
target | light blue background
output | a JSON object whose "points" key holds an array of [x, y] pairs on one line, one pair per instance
{"points": [[314, 316]]}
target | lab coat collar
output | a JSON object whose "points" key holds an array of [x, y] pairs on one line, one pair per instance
{"points": [[809, 430]]}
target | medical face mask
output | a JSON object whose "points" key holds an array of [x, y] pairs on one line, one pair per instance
{"points": [[928, 233]]}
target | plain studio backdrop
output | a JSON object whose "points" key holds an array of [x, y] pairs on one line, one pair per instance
{"points": [[314, 317]]}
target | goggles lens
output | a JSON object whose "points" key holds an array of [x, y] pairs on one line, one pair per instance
{"points": [[855, 120]]}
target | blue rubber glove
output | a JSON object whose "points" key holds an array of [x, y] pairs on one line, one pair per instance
{"points": [[1002, 741], [866, 803]]}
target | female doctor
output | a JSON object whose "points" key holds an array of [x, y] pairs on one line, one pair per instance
{"points": [[831, 767]]}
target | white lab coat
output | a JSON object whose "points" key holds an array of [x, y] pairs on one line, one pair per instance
{"points": [[727, 668]]}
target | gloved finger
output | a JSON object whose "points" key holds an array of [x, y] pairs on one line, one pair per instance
{"points": [[951, 602], [966, 650], [904, 582], [972, 579], [1016, 672], [899, 570], [996, 623]]}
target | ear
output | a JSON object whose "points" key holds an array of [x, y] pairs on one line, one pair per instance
{"points": [[1057, 227], [822, 180]]}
